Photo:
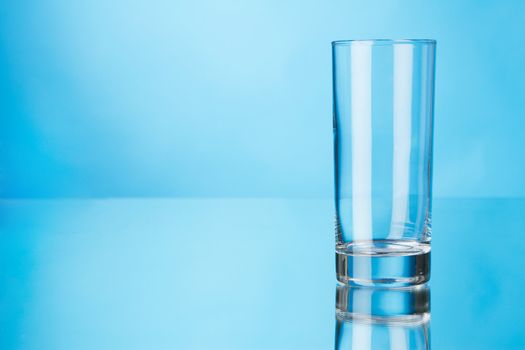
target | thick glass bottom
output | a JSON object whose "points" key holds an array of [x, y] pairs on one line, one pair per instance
{"points": [[383, 263]]}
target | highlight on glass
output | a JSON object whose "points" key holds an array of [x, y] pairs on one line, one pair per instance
{"points": [[383, 128]]}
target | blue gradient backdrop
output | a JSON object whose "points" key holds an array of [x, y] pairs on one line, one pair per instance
{"points": [[233, 98]]}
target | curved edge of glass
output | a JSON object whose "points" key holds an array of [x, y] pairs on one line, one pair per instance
{"points": [[378, 42]]}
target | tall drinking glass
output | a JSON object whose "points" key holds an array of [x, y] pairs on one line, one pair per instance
{"points": [[383, 121]]}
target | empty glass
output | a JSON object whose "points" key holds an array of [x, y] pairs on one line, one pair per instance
{"points": [[383, 121]]}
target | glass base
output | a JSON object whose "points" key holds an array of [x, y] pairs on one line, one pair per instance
{"points": [[390, 263]]}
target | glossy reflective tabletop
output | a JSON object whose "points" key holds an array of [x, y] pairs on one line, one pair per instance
{"points": [[238, 274]]}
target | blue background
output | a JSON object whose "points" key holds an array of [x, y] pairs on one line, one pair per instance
{"points": [[233, 98]]}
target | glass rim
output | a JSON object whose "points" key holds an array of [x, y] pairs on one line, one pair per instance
{"points": [[375, 42]]}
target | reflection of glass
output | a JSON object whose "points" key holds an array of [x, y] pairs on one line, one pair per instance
{"points": [[383, 117], [382, 318]]}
